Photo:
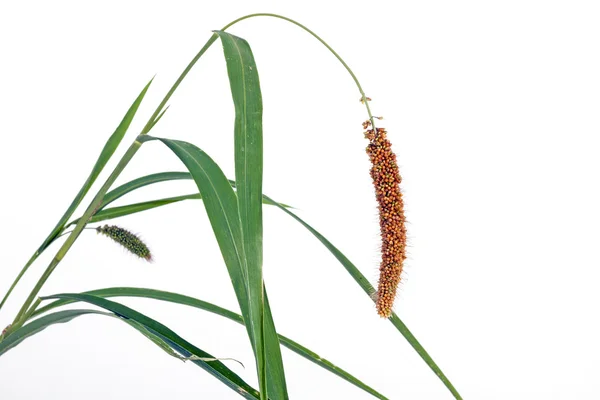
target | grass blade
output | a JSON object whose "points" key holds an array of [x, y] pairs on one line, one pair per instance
{"points": [[39, 325], [109, 148], [121, 211], [206, 306], [42, 323], [105, 155], [247, 99], [215, 368], [220, 202], [369, 290], [157, 178], [138, 183]]}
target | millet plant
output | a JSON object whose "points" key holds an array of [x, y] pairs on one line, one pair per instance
{"points": [[234, 208]]}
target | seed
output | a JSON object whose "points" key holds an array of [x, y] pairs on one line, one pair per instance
{"points": [[386, 180]]}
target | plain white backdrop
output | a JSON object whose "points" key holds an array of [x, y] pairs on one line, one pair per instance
{"points": [[492, 108]]}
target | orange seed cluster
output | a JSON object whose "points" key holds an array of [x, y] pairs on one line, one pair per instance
{"points": [[386, 179]]}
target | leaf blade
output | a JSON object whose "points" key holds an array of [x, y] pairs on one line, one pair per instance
{"points": [[38, 325], [138, 183], [181, 299], [215, 368], [109, 148], [368, 288], [121, 211], [221, 206], [247, 99], [65, 316], [363, 282]]}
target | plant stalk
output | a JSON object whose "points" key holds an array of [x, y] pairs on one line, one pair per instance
{"points": [[91, 210], [214, 37], [360, 89], [18, 278]]}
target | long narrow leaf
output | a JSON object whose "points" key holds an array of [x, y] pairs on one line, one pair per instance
{"points": [[109, 148], [369, 290], [206, 306], [221, 207], [245, 90], [121, 211], [215, 368], [138, 183], [164, 344], [105, 155], [39, 325]]}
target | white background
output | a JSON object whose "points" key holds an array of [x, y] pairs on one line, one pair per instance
{"points": [[492, 108]]}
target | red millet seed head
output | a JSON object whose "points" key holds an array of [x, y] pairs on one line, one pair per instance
{"points": [[386, 180]]}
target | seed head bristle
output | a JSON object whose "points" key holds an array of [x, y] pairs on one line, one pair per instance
{"points": [[386, 179], [128, 240]]}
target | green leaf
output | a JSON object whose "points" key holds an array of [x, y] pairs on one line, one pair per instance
{"points": [[221, 207], [141, 182], [369, 290], [105, 155], [109, 148], [39, 325], [245, 90], [164, 344], [206, 306], [215, 368], [157, 119], [157, 340], [121, 211]]}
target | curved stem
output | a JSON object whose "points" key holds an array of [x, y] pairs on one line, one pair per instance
{"points": [[214, 37], [360, 89]]}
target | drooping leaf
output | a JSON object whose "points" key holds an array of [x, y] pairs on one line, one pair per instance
{"points": [[163, 343], [138, 183], [221, 206], [203, 305], [121, 211], [369, 290], [39, 325], [215, 368]]}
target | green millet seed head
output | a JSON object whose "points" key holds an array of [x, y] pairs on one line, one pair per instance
{"points": [[126, 239]]}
